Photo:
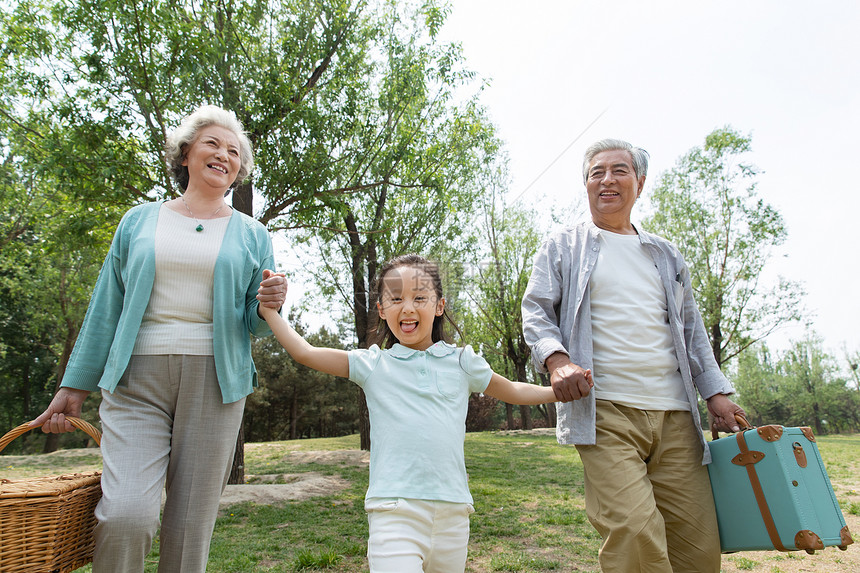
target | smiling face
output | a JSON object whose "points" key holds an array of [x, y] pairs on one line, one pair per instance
{"points": [[613, 188], [213, 159], [409, 304]]}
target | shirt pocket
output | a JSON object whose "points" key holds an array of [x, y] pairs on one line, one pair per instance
{"points": [[450, 383]]}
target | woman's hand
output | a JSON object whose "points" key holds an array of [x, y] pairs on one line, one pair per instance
{"points": [[66, 402], [273, 290]]}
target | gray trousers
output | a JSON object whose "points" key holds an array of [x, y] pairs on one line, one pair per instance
{"points": [[163, 427]]}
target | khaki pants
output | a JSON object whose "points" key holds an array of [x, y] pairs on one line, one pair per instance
{"points": [[647, 493], [163, 426]]}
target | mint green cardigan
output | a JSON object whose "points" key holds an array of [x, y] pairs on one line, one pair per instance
{"points": [[122, 292]]}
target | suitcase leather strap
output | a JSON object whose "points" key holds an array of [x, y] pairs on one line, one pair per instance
{"points": [[749, 458]]}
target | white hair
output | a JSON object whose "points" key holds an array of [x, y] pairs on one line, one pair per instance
{"points": [[639, 155], [186, 133]]}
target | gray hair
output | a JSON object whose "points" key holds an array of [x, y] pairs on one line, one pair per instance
{"points": [[639, 155], [187, 131]]}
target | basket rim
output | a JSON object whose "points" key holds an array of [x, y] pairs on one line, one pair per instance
{"points": [[78, 423]]}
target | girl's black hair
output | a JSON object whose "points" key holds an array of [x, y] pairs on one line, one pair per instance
{"points": [[384, 334]]}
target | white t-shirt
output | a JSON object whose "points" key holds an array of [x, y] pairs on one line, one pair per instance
{"points": [[418, 402], [634, 357], [178, 318]]}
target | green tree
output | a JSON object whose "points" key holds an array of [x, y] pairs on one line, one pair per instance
{"points": [[853, 361], [501, 268], [709, 207], [308, 403], [759, 382], [809, 377], [802, 386], [349, 104], [414, 183], [51, 248]]}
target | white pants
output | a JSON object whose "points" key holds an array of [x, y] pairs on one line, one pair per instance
{"points": [[164, 425], [417, 535]]}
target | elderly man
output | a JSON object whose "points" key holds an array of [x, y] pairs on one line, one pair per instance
{"points": [[609, 313]]}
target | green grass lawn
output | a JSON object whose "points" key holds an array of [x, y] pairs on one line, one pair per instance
{"points": [[528, 500], [530, 514]]}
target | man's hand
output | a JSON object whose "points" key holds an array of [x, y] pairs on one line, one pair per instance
{"points": [[569, 381], [723, 413]]}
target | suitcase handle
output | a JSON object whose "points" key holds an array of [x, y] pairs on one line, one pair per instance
{"points": [[742, 422]]}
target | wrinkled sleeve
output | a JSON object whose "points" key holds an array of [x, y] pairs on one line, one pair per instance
{"points": [[707, 376], [540, 306]]}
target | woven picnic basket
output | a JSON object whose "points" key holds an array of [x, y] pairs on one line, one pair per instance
{"points": [[46, 523]]}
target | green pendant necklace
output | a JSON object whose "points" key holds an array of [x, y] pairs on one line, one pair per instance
{"points": [[199, 227]]}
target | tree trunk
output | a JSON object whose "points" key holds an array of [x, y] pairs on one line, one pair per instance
{"points": [[522, 376], [294, 415], [363, 422], [552, 413], [509, 416], [237, 472], [526, 417], [361, 319]]}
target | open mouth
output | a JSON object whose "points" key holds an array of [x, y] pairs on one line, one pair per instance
{"points": [[220, 168], [408, 326]]}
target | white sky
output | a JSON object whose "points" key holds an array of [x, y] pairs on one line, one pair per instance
{"points": [[666, 74]]}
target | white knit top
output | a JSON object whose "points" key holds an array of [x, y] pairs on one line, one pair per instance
{"points": [[178, 319]]}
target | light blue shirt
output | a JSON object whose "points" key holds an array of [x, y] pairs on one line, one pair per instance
{"points": [[418, 402], [557, 318], [122, 291]]}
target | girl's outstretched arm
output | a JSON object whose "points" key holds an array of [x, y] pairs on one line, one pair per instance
{"points": [[329, 360], [520, 392]]}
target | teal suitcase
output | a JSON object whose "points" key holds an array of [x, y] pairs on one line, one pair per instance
{"points": [[771, 491]]}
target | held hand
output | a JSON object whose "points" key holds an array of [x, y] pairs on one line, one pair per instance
{"points": [[571, 382], [723, 413], [67, 402], [273, 290]]}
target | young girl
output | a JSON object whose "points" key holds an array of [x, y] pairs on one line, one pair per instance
{"points": [[417, 391]]}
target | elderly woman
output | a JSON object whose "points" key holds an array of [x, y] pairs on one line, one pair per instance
{"points": [[166, 339], [609, 313]]}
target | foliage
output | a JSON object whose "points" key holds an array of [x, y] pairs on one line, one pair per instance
{"points": [[500, 267], [708, 206], [481, 415], [294, 401], [51, 248], [351, 106], [800, 387], [413, 183]]}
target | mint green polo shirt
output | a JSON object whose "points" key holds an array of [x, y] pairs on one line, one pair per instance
{"points": [[418, 402]]}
